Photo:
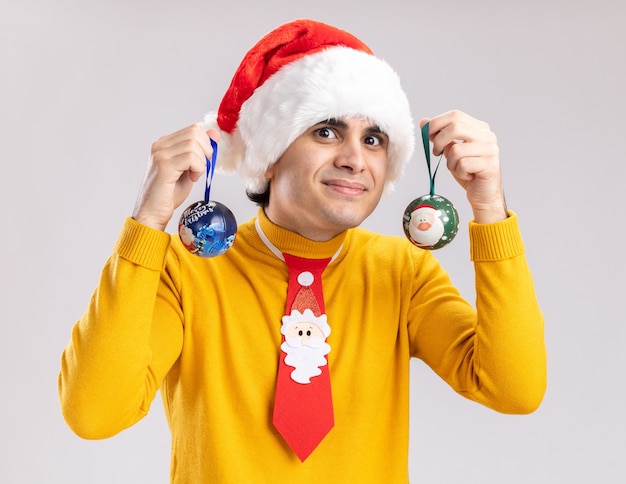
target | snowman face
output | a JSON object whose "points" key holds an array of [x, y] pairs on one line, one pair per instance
{"points": [[430, 222], [425, 226]]}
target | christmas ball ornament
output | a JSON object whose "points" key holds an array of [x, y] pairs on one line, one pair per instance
{"points": [[207, 229], [430, 222]]}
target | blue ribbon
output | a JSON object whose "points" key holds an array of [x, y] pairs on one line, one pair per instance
{"points": [[210, 169]]}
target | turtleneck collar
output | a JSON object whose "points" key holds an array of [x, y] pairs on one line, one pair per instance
{"points": [[290, 242]]}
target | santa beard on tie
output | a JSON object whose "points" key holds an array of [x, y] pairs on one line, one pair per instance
{"points": [[306, 354]]}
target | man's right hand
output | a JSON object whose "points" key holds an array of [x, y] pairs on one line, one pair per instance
{"points": [[177, 161]]}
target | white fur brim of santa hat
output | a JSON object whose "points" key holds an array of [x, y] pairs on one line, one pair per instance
{"points": [[306, 317], [299, 75]]}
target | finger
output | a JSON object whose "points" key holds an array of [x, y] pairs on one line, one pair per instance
{"points": [[461, 132], [185, 159], [176, 137], [460, 149], [473, 166], [184, 154], [464, 160], [205, 139], [193, 132], [214, 134], [438, 123]]}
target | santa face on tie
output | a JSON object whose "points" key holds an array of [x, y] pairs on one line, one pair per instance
{"points": [[305, 344]]}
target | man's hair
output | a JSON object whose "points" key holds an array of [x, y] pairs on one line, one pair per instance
{"points": [[261, 199]]}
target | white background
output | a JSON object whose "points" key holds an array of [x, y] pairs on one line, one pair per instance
{"points": [[86, 87]]}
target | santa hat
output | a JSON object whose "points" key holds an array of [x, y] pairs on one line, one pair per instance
{"points": [[300, 74], [305, 308], [424, 205]]}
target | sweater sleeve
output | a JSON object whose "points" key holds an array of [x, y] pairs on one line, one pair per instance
{"points": [[494, 354], [126, 341]]}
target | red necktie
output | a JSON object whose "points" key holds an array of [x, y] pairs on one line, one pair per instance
{"points": [[303, 410]]}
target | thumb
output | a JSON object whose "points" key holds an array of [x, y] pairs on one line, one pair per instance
{"points": [[423, 122], [194, 176], [214, 134]]}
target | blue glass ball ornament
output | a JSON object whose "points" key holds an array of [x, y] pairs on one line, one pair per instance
{"points": [[207, 229], [430, 222]]}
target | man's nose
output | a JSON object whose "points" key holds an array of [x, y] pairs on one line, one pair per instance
{"points": [[351, 154]]}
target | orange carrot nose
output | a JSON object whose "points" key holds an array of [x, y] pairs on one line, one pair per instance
{"points": [[424, 226]]}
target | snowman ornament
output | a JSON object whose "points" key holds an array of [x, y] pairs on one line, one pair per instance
{"points": [[430, 221]]}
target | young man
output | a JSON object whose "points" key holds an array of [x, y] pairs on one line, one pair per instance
{"points": [[287, 358]]}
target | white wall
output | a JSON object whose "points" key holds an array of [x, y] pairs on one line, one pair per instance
{"points": [[86, 87]]}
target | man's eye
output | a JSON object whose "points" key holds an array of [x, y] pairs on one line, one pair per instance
{"points": [[372, 140], [326, 133]]}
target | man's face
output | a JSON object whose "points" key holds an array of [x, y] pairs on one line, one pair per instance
{"points": [[330, 178]]}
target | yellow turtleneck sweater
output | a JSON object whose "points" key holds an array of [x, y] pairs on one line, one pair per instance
{"points": [[207, 333]]}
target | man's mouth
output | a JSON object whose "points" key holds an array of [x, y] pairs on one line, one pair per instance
{"points": [[346, 187]]}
